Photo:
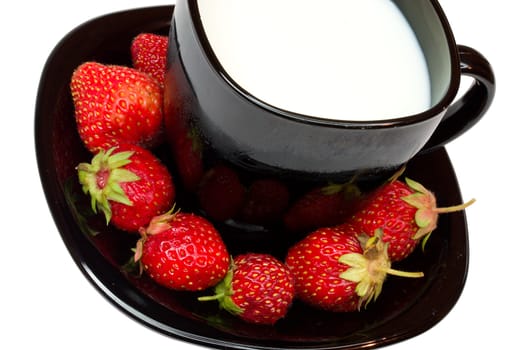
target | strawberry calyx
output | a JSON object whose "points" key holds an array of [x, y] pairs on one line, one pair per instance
{"points": [[102, 179], [157, 224], [349, 189], [427, 212], [196, 142], [395, 176], [223, 292], [160, 223], [369, 269]]}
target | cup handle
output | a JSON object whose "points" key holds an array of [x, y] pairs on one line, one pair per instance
{"points": [[467, 110]]}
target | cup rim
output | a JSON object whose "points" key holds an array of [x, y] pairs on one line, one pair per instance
{"points": [[437, 109]]}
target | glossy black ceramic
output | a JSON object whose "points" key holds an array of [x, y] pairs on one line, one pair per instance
{"points": [[406, 307], [253, 135]]}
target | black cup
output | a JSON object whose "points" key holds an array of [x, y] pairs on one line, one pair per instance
{"points": [[209, 113]]}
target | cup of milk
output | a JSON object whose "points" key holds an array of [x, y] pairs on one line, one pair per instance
{"points": [[315, 91]]}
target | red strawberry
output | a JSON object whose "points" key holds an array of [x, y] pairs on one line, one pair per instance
{"points": [[149, 54], [182, 251], [116, 104], [187, 152], [221, 193], [405, 211], [258, 289], [266, 202], [333, 272], [128, 184], [184, 139], [321, 207]]}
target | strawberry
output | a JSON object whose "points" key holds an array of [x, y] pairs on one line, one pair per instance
{"points": [[266, 202], [128, 184], [258, 289], [185, 141], [187, 152], [405, 211], [321, 207], [333, 272], [116, 104], [182, 251], [149, 54], [221, 193]]}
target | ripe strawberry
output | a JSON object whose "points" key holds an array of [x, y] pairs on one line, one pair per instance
{"points": [[266, 201], [149, 54], [258, 289], [187, 151], [185, 141], [182, 251], [405, 211], [333, 272], [321, 207], [116, 104], [221, 193], [128, 184]]}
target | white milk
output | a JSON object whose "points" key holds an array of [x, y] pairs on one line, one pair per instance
{"points": [[336, 59]]}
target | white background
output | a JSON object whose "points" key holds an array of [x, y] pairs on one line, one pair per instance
{"points": [[46, 302]]}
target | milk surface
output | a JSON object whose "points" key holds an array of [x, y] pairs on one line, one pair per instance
{"points": [[335, 59]]}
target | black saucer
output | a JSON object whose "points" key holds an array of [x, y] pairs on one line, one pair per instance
{"points": [[406, 307]]}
